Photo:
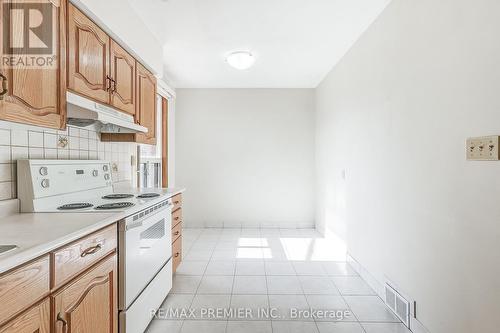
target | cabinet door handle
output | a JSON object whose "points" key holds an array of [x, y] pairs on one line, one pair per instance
{"points": [[63, 321], [91, 250], [114, 85], [109, 82], [177, 254], [176, 218], [176, 233], [4, 86]]}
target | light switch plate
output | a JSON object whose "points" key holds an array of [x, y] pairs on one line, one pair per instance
{"points": [[484, 148]]}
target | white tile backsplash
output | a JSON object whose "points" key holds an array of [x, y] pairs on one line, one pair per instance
{"points": [[73, 131], [5, 190], [74, 142], [49, 140], [84, 133], [35, 153], [84, 154], [19, 137], [21, 142], [19, 153], [35, 139], [63, 154], [5, 172], [5, 154], [84, 144], [4, 137], [50, 154]]}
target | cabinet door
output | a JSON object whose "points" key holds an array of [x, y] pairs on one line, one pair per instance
{"points": [[89, 304], [88, 57], [34, 320], [35, 74], [146, 105], [123, 73]]}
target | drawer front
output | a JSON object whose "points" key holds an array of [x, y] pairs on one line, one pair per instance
{"points": [[176, 253], [176, 232], [73, 259], [35, 319], [23, 286], [177, 201], [176, 217]]}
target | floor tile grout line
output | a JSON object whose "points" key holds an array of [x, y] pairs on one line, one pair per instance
{"points": [[266, 275]]}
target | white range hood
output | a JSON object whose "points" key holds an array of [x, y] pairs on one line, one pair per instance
{"points": [[83, 112]]}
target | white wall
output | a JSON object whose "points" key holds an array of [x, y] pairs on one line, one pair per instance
{"points": [[246, 156], [395, 114], [119, 19]]}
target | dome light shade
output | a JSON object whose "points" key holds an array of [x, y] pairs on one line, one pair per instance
{"points": [[240, 60]]}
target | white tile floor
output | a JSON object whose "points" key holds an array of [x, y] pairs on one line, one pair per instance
{"points": [[248, 270]]}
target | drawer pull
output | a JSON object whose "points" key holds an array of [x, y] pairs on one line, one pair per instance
{"points": [[176, 218], [91, 250], [176, 233], [64, 322], [177, 202], [177, 254]]}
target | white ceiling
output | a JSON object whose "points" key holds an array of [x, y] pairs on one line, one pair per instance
{"points": [[296, 42]]}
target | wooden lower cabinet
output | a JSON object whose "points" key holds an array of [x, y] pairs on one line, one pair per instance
{"points": [[34, 320], [176, 253], [88, 304], [176, 231], [22, 287]]}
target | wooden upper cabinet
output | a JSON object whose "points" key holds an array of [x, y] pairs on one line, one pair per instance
{"points": [[88, 57], [146, 105], [36, 87], [89, 304], [123, 74]]}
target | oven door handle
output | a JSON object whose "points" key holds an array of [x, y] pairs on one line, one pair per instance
{"points": [[134, 225]]}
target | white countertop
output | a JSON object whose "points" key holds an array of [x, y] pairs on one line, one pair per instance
{"points": [[36, 234]]}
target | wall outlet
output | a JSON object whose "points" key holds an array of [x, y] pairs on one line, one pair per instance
{"points": [[484, 148]]}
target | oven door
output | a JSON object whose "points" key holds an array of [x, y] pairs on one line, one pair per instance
{"points": [[145, 245]]}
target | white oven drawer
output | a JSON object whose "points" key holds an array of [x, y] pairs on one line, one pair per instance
{"points": [[145, 245], [138, 316]]}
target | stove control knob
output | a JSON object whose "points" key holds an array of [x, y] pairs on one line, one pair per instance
{"points": [[44, 171], [105, 168], [95, 173], [106, 176], [45, 183]]}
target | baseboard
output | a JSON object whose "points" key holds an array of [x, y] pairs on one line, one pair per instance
{"points": [[248, 225], [377, 286], [415, 325]]}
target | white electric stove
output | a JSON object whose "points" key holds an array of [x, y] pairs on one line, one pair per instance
{"points": [[73, 186], [144, 235]]}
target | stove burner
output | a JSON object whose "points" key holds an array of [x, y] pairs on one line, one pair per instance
{"points": [[148, 195], [75, 206], [115, 205], [118, 196]]}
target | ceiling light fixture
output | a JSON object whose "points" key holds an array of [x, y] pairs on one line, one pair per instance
{"points": [[240, 60]]}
